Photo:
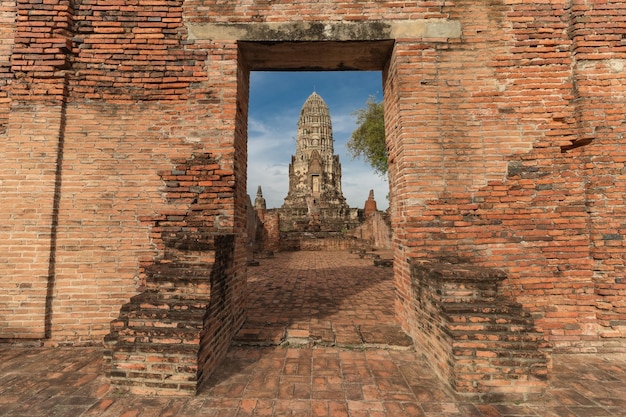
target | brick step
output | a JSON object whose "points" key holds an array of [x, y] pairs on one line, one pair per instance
{"points": [[473, 330], [179, 268], [182, 288], [167, 317], [171, 367], [178, 332], [161, 337], [491, 323], [502, 347], [500, 318], [168, 323], [152, 303], [176, 278], [522, 341], [162, 349], [480, 307], [137, 323]]}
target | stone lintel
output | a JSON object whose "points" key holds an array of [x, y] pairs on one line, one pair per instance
{"points": [[424, 29]]}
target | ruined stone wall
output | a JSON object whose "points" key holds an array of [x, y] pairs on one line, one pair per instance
{"points": [[376, 230], [498, 156], [109, 95], [504, 122], [271, 231]]}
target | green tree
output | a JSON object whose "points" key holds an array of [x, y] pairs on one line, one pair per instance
{"points": [[368, 139]]}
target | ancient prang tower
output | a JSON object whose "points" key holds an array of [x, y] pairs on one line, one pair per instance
{"points": [[315, 201]]}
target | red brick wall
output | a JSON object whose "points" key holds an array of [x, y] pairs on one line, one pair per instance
{"points": [[27, 182], [8, 16], [488, 170], [31, 174], [600, 77], [127, 80], [134, 50], [505, 147]]}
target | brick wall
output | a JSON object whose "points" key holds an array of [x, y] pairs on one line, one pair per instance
{"points": [[600, 77], [375, 230], [8, 17], [170, 338], [480, 342], [505, 148], [88, 138], [489, 160]]}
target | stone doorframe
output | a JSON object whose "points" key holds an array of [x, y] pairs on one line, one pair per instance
{"points": [[316, 46], [390, 47]]}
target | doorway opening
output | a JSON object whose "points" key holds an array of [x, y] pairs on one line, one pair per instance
{"points": [[330, 295]]}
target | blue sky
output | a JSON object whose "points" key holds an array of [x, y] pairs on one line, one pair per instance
{"points": [[276, 99]]}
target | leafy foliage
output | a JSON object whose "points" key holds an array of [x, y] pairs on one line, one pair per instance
{"points": [[368, 139]]}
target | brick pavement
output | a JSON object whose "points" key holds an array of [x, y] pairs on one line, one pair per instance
{"points": [[328, 298], [310, 380]]}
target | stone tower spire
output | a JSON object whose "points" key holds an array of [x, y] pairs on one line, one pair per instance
{"points": [[315, 131], [315, 172], [370, 205], [259, 201]]}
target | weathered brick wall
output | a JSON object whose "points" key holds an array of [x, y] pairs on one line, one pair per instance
{"points": [[600, 78], [8, 17], [271, 231], [31, 175], [376, 230], [492, 167], [113, 155], [170, 338], [481, 343], [93, 122], [505, 147], [134, 50]]}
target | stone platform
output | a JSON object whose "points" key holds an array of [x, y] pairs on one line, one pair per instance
{"points": [[336, 374], [321, 298]]}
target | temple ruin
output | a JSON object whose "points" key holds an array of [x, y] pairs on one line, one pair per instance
{"points": [[315, 212], [123, 183]]}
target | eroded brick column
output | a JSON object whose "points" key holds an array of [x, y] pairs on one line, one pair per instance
{"points": [[479, 342], [30, 176], [599, 73]]}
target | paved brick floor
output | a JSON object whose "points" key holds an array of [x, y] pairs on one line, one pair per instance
{"points": [[332, 374], [327, 298]]}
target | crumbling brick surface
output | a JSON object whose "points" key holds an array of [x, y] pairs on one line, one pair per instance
{"points": [[172, 336], [8, 17], [481, 343], [504, 134]]}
